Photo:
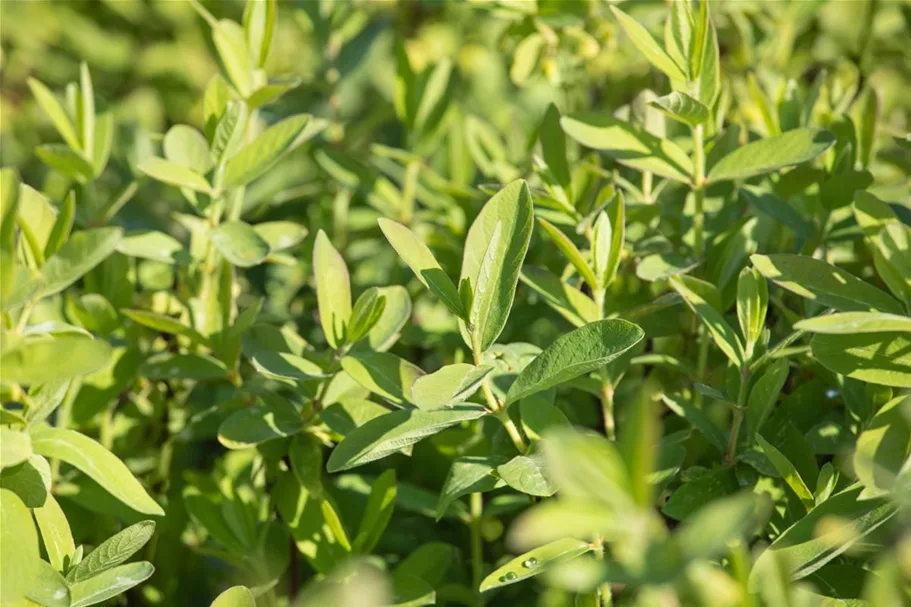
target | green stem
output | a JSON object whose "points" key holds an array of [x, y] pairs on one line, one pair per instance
{"points": [[607, 388], [409, 190], [477, 547], [701, 362], [698, 188], [498, 409], [738, 415]]}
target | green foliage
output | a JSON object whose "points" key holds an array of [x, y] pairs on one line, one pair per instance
{"points": [[373, 304]]}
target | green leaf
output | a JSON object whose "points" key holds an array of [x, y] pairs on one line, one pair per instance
{"points": [[708, 533], [573, 354], [377, 513], [883, 446], [260, 19], [608, 237], [553, 148], [174, 174], [257, 157], [49, 588], [510, 213], [110, 583], [113, 551], [572, 304], [629, 144], [333, 289], [682, 108], [85, 110], [429, 562], [240, 244], [230, 42], [55, 532], [285, 365], [18, 548], [422, 262], [153, 245], [165, 324], [396, 313], [166, 365], [679, 34], [824, 283], [466, 475], [448, 386], [752, 306], [71, 163], [41, 360], [539, 418], [722, 333], [648, 46], [772, 153], [879, 358], [849, 323], [82, 252], [526, 57], [805, 547], [236, 596], [788, 472], [394, 431], [54, 110], [535, 562], [764, 395], [15, 446], [435, 88], [229, 132], [527, 474], [281, 234], [691, 497], [569, 250], [98, 463], [30, 480], [255, 425], [365, 314], [383, 374], [185, 146]]}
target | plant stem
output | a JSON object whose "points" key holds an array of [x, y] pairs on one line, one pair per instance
{"points": [[477, 548], [498, 409], [738, 414], [698, 188], [607, 388]]}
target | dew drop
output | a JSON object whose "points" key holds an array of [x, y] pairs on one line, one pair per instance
{"points": [[510, 576], [502, 578], [529, 563]]}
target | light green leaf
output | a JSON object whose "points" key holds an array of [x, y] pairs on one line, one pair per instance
{"points": [[166, 365], [15, 447], [883, 446], [764, 394], [104, 141], [54, 110], [383, 374], [98, 463], [448, 386], [708, 533], [257, 157], [682, 108], [163, 323], [260, 19], [153, 245], [878, 358], [698, 418], [236, 596], [422, 262], [285, 365], [230, 42], [82, 252], [569, 250], [185, 146], [281, 234], [824, 283], [377, 513], [113, 551], [511, 210], [174, 174], [18, 548], [71, 163], [526, 57], [333, 289], [629, 144], [30, 480], [55, 532], [608, 237], [49, 588], [849, 323], [434, 97], [573, 354], [527, 474], [110, 583], [772, 153], [255, 425], [85, 110], [539, 418], [787, 471], [752, 306], [240, 244], [722, 333], [466, 475], [394, 431], [41, 360], [572, 304], [365, 314], [648, 46], [534, 562], [395, 314]]}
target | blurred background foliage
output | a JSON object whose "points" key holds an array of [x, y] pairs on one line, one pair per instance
{"points": [[151, 61]]}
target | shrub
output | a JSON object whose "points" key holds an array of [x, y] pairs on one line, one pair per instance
{"points": [[413, 302]]}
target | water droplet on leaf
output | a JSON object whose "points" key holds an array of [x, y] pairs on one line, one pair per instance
{"points": [[529, 563], [511, 576]]}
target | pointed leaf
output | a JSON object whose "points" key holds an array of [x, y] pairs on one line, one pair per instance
{"points": [[722, 333], [383, 374], [174, 174], [448, 386], [109, 584], [257, 157], [648, 46], [333, 289], [534, 562], [240, 244], [772, 153]]}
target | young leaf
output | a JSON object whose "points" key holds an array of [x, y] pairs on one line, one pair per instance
{"points": [[333, 289], [572, 304], [527, 474], [383, 374], [281, 235], [848, 323], [109, 584], [231, 45], [878, 358], [709, 532], [648, 46], [394, 431], [113, 551], [537, 561], [466, 475], [174, 174], [260, 18], [153, 245], [511, 210], [764, 395], [37, 361], [15, 447], [98, 463], [629, 144], [449, 386], [71, 163], [377, 513], [54, 110], [185, 146], [824, 283], [18, 548], [608, 237], [553, 147], [257, 157], [682, 108], [772, 153], [422, 262], [573, 354], [788, 472], [256, 425], [569, 250], [722, 333], [240, 244], [49, 588], [752, 305], [396, 313], [55, 533], [236, 596]]}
